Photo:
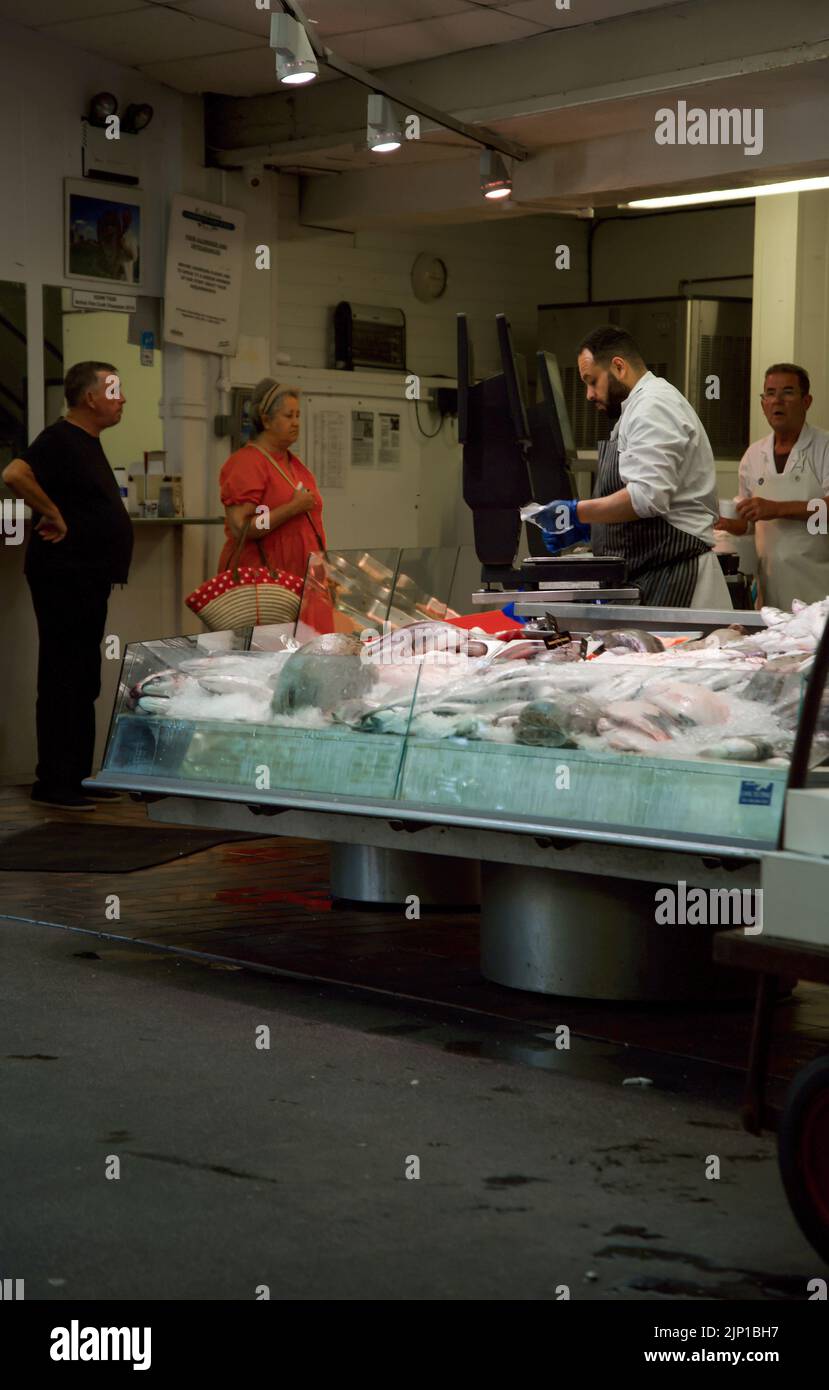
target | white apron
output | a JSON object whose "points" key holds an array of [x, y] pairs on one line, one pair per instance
{"points": [[791, 562], [711, 590]]}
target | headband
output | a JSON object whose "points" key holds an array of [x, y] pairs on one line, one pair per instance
{"points": [[268, 400]]}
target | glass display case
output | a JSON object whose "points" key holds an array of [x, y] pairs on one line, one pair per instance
{"points": [[359, 590], [613, 743], [254, 721], [568, 775], [427, 718]]}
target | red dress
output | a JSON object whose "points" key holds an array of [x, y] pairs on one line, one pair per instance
{"points": [[248, 476]]}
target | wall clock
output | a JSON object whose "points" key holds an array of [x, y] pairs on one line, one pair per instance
{"points": [[428, 277]]}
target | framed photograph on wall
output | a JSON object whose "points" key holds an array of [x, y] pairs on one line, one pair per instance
{"points": [[104, 226]]}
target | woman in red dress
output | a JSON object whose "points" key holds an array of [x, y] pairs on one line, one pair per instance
{"points": [[265, 474]]}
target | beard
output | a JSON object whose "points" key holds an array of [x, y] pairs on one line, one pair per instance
{"points": [[617, 392]]}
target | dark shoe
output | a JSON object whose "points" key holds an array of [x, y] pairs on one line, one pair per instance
{"points": [[61, 800], [101, 794]]}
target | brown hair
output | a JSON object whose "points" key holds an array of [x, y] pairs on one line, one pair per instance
{"points": [[790, 369], [267, 397], [82, 378]]}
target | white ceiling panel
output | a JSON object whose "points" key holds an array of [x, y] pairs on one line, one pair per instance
{"points": [[33, 13], [354, 16], [150, 35], [250, 72], [410, 43], [239, 15], [545, 14], [333, 17]]}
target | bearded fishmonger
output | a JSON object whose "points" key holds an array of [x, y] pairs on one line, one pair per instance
{"points": [[655, 497]]}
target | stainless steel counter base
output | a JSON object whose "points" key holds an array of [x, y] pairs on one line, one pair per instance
{"points": [[593, 938], [583, 928], [371, 874]]}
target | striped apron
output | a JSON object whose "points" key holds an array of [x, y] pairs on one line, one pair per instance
{"points": [[661, 560]]}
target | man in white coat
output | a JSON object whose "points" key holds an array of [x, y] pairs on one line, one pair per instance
{"points": [[784, 494], [655, 498]]}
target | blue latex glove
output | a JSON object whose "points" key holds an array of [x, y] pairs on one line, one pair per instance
{"points": [[566, 529]]}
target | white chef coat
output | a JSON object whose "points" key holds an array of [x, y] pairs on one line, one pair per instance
{"points": [[665, 459], [758, 460], [667, 465], [792, 562]]}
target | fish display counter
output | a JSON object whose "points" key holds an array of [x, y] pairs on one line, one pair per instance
{"points": [[576, 776]]}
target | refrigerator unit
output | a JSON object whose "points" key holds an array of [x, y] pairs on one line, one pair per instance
{"points": [[689, 341]]}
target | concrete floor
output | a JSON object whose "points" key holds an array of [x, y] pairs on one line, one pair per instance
{"points": [[242, 1167]]}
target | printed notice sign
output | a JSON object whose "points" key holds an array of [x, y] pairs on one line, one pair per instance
{"points": [[102, 299], [329, 442], [203, 283], [362, 438], [388, 455]]}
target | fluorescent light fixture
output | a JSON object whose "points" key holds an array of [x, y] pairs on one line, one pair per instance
{"points": [[729, 195], [295, 60], [383, 130], [495, 181]]}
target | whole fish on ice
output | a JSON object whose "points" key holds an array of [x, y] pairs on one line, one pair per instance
{"points": [[628, 639], [324, 673], [642, 716], [160, 685]]}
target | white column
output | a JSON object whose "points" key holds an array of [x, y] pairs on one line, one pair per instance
{"points": [[790, 321], [811, 339], [189, 404]]}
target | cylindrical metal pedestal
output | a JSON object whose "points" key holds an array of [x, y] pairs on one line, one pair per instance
{"points": [[366, 874], [593, 938]]}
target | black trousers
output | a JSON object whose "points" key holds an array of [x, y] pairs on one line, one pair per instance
{"points": [[71, 612]]}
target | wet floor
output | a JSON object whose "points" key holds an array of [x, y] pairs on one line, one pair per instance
{"points": [[538, 1169]]}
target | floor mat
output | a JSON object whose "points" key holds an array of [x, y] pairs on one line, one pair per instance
{"points": [[60, 848]]}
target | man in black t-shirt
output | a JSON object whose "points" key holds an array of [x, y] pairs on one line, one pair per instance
{"points": [[80, 545]]}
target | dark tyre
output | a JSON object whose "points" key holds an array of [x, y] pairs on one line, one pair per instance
{"points": [[803, 1152]]}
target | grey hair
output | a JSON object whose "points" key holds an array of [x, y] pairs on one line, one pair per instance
{"points": [[271, 394]]}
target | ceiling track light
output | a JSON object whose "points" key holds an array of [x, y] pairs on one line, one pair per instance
{"points": [[495, 179], [384, 132], [296, 62]]}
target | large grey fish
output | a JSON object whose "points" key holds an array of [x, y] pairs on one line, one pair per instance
{"points": [[720, 637], [323, 674], [540, 723], [159, 685], [629, 639]]}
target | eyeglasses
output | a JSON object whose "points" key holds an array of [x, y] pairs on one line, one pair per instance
{"points": [[788, 393]]}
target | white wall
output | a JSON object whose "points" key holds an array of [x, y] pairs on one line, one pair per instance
{"points": [[104, 336], [638, 257], [647, 257], [505, 265], [45, 88]]}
